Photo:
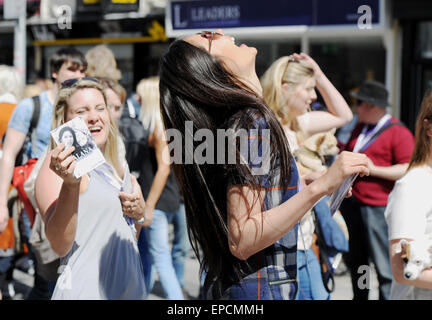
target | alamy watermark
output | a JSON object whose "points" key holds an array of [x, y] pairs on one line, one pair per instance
{"points": [[64, 17], [365, 20], [254, 147]]}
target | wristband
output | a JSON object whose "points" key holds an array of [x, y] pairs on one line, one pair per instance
{"points": [[140, 221]]}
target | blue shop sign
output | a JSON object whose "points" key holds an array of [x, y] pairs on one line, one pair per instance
{"points": [[269, 13]]}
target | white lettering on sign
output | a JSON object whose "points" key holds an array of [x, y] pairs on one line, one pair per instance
{"points": [[177, 19], [215, 13], [365, 21]]}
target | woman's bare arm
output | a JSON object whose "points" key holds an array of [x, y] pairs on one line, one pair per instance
{"points": [[250, 230], [397, 265], [339, 113], [57, 200]]}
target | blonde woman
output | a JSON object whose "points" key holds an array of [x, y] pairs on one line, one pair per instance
{"points": [[289, 89], [116, 95], [84, 217], [409, 211]]}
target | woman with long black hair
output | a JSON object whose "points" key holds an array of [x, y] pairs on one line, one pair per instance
{"points": [[68, 137], [242, 215]]}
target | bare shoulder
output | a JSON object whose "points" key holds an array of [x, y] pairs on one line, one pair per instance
{"points": [[419, 178]]}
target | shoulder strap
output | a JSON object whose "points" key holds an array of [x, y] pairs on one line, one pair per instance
{"points": [[36, 113], [34, 120], [385, 128], [325, 265], [378, 133]]}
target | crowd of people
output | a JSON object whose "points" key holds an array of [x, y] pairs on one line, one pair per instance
{"points": [[105, 234]]}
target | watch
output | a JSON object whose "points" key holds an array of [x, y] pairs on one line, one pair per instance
{"points": [[140, 221]]}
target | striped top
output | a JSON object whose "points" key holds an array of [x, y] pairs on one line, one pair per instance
{"points": [[270, 273]]}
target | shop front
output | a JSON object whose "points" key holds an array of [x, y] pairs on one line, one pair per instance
{"points": [[415, 19], [351, 40]]}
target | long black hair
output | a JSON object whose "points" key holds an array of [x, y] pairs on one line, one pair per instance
{"points": [[80, 150], [72, 131], [195, 86]]}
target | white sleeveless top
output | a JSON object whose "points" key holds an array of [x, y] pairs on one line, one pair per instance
{"points": [[104, 262]]}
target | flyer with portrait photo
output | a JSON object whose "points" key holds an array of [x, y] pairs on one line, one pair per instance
{"points": [[75, 133], [340, 193]]}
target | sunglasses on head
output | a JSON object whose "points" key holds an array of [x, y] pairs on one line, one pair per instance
{"points": [[70, 82], [210, 35]]}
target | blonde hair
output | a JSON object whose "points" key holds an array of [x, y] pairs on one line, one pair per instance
{"points": [[289, 71], [101, 63], [118, 89], [32, 90], [111, 153], [148, 91], [423, 143], [10, 81]]}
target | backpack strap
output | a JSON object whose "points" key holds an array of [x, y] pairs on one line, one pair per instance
{"points": [[34, 120], [36, 113], [326, 267], [378, 133], [385, 128]]}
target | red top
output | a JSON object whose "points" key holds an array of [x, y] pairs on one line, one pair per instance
{"points": [[393, 146]]}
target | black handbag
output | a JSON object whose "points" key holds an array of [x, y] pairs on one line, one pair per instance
{"points": [[135, 138], [324, 261]]}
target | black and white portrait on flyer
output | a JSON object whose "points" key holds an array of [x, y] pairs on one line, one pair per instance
{"points": [[75, 133]]}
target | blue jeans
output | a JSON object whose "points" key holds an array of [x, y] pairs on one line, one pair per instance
{"points": [[148, 270], [169, 264], [311, 285]]}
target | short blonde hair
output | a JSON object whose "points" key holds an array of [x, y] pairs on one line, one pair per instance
{"points": [[148, 91], [101, 63], [10, 81], [284, 70], [32, 90], [111, 153]]}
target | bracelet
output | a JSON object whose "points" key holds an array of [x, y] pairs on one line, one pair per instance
{"points": [[140, 221]]}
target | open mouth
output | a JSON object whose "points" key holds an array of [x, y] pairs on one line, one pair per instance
{"points": [[95, 129]]}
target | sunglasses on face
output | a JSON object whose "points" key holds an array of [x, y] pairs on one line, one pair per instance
{"points": [[210, 35], [70, 82], [359, 102]]}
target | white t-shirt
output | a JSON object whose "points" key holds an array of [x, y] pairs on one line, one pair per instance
{"points": [[409, 215], [307, 227]]}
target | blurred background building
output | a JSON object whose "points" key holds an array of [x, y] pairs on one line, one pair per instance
{"points": [[352, 40]]}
